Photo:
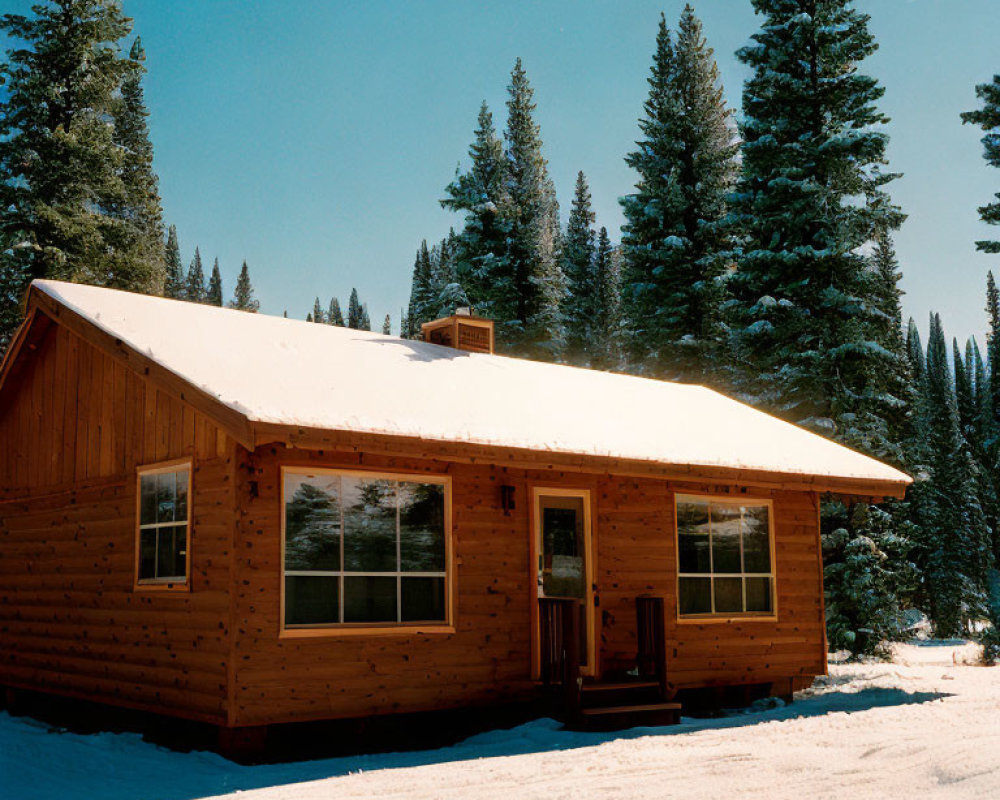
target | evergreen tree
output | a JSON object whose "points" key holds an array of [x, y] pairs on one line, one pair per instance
{"points": [[243, 299], [365, 323], [482, 265], [214, 296], [604, 347], [317, 312], [194, 287], [174, 283], [61, 171], [954, 552], [334, 315], [805, 315], [139, 257], [993, 345], [387, 325], [422, 292], [988, 118], [530, 320], [354, 311], [674, 239], [579, 250]]}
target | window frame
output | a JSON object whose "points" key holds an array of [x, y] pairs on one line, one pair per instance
{"points": [[334, 629], [725, 616], [161, 584]]}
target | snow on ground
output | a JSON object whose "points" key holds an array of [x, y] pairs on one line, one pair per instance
{"points": [[926, 725]]}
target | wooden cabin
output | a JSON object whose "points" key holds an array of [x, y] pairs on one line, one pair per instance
{"points": [[248, 520]]}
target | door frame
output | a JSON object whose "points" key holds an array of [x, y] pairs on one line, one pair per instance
{"points": [[537, 493]]}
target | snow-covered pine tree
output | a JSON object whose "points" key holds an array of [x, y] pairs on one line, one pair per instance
{"points": [[535, 327], [214, 295], [60, 168], [482, 266], [243, 298], [334, 316], [317, 312], [422, 292], [582, 301], [174, 282], [604, 348], [953, 547], [194, 285], [387, 325], [674, 241], [993, 346], [988, 118], [139, 256], [354, 311], [365, 324]]}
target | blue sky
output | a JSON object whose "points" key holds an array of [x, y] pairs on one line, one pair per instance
{"points": [[314, 138]]}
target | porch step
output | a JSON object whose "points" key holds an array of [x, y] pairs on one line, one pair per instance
{"points": [[630, 716], [619, 686], [613, 694]]}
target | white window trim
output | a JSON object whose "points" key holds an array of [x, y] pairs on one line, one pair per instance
{"points": [[375, 628], [724, 616]]}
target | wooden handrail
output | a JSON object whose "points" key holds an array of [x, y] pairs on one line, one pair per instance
{"points": [[651, 657], [559, 620]]}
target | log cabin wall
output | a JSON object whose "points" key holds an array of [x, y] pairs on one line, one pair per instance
{"points": [[75, 424], [488, 658]]}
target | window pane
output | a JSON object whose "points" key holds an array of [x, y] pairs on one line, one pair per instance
{"points": [[182, 495], [725, 538], [170, 561], [180, 551], [759, 595], [147, 554], [692, 537], [312, 522], [423, 599], [369, 525], [421, 527], [369, 599], [311, 600], [147, 504], [728, 595], [756, 544], [695, 595], [165, 499]]}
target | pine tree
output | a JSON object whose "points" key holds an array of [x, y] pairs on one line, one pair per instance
{"points": [[674, 239], [988, 118], [194, 286], [482, 265], [243, 299], [422, 293], [354, 311], [604, 347], [387, 325], [317, 312], [334, 315], [139, 260], [214, 296], [174, 283], [954, 552], [365, 323], [582, 300], [805, 316], [60, 167], [993, 345], [535, 327]]}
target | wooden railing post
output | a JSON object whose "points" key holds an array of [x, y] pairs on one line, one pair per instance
{"points": [[559, 628], [651, 658], [571, 656]]}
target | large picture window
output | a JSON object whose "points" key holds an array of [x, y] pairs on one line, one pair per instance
{"points": [[164, 521], [364, 549], [724, 558]]}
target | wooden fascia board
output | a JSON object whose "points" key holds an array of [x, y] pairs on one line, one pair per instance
{"points": [[231, 421], [389, 445]]}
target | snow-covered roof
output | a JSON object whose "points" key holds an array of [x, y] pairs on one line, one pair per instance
{"points": [[291, 373]]}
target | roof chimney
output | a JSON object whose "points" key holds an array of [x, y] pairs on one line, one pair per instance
{"points": [[462, 330]]}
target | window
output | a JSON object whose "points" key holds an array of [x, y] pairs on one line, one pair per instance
{"points": [[164, 522], [724, 557], [364, 549]]}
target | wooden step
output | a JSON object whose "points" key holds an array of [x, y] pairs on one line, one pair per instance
{"points": [[595, 712], [619, 686], [613, 718]]}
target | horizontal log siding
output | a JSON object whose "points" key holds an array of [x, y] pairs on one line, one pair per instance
{"points": [[488, 658], [74, 427]]}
